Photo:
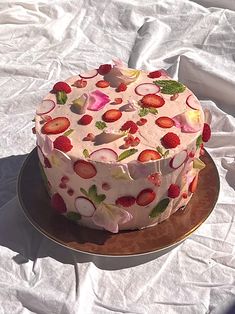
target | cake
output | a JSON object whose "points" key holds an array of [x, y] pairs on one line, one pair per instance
{"points": [[120, 148]]}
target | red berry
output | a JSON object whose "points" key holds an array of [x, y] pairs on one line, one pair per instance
{"points": [[84, 169], [125, 201], [34, 130], [206, 133], [173, 191], [63, 143], [170, 140], [135, 142], [106, 186], [102, 84], [65, 179], [62, 86], [121, 87], [47, 163], [85, 120], [58, 203], [62, 185], [141, 121], [129, 126], [70, 192], [155, 74], [56, 126], [191, 154], [148, 154], [89, 137], [152, 101], [104, 69], [112, 115], [145, 197], [184, 195], [118, 100]]}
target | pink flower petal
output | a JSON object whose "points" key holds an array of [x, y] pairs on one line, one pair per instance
{"points": [[97, 100], [189, 121], [109, 216]]}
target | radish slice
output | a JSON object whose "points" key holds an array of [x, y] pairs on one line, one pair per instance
{"points": [[104, 155], [84, 206], [46, 106], [146, 88], [178, 160], [89, 74], [192, 102]]}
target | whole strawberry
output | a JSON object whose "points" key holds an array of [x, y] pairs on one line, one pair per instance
{"points": [[170, 140], [63, 143]]}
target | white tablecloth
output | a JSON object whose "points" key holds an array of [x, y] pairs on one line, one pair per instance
{"points": [[42, 42]]}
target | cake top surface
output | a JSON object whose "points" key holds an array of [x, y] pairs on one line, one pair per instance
{"points": [[114, 114]]}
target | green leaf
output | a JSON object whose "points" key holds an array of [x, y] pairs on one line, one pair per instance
{"points": [[170, 87], [61, 97], [67, 133], [100, 198], [86, 153], [92, 192], [166, 153], [159, 208], [127, 153], [199, 141], [84, 192], [73, 216], [153, 110], [143, 112], [160, 150], [100, 125]]}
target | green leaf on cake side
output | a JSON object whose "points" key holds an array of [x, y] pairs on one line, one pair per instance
{"points": [[84, 192], [67, 133], [170, 87], [100, 125], [73, 216], [61, 97], [127, 153], [144, 111], [93, 195], [86, 153], [159, 208], [162, 152], [199, 141]]}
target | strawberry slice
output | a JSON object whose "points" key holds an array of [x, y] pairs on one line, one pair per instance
{"points": [[104, 69], [125, 201], [84, 169], [62, 86], [148, 154], [155, 74], [121, 87], [56, 126], [165, 122], [80, 83], [112, 115], [152, 101], [102, 84], [193, 184], [145, 197]]}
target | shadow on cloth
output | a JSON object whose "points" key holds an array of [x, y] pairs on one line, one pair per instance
{"points": [[17, 234]]}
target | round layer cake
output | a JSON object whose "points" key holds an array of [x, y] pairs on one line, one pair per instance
{"points": [[119, 148]]}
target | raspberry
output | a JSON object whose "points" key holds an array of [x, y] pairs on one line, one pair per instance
{"points": [[63, 143], [130, 126], [173, 191], [170, 140], [89, 137], [155, 74], [70, 191], [206, 133], [85, 120], [121, 87], [141, 121], [104, 69], [58, 203], [125, 201], [118, 100], [62, 86]]}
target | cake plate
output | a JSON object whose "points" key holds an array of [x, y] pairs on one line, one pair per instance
{"points": [[161, 238]]}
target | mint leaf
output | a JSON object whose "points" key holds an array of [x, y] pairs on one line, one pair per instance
{"points": [[61, 97], [159, 208], [100, 125], [199, 141], [170, 87], [100, 198], [166, 153], [143, 112], [86, 153], [153, 110], [84, 192], [67, 133], [160, 150], [127, 153], [73, 216], [92, 192]]}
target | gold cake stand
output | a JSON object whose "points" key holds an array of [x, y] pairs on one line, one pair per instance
{"points": [[166, 235]]}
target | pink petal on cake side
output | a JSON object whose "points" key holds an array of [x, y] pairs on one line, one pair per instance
{"points": [[97, 100], [189, 121]]}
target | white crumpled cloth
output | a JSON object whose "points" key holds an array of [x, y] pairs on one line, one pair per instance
{"points": [[42, 42]]}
